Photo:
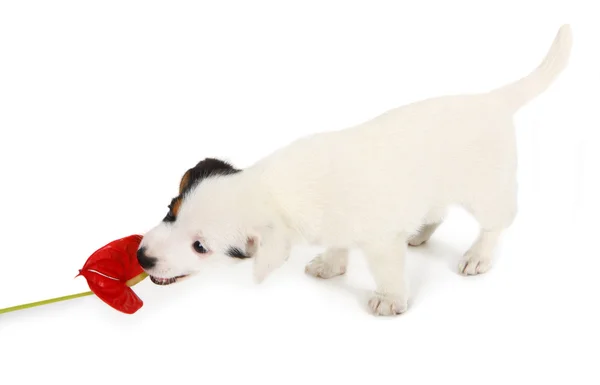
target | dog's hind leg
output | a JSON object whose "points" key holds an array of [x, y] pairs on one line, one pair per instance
{"points": [[331, 263], [494, 213], [432, 221]]}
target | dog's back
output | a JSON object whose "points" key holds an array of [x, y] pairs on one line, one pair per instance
{"points": [[387, 173]]}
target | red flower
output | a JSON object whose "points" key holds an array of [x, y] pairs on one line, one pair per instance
{"points": [[112, 269]]}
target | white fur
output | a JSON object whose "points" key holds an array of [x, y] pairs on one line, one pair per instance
{"points": [[376, 186]]}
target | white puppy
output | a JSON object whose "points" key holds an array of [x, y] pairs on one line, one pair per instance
{"points": [[377, 187]]}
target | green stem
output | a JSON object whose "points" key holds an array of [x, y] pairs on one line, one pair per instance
{"points": [[47, 301]]}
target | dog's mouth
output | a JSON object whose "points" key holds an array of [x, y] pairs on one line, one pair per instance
{"points": [[167, 281]]}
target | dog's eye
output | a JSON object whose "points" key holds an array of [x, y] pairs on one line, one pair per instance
{"points": [[199, 248]]}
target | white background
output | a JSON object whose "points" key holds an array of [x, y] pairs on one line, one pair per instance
{"points": [[104, 105]]}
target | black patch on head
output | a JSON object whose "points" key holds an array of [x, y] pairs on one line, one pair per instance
{"points": [[209, 167], [235, 252]]}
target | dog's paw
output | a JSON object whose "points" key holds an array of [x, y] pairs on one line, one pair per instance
{"points": [[423, 235], [417, 240], [386, 305], [321, 268], [474, 264]]}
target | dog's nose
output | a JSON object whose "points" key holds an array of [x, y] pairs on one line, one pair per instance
{"points": [[145, 261]]}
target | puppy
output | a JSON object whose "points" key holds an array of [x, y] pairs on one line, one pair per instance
{"points": [[378, 186]]}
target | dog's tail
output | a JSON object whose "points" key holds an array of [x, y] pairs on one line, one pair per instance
{"points": [[515, 95]]}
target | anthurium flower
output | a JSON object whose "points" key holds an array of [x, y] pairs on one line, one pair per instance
{"points": [[111, 271]]}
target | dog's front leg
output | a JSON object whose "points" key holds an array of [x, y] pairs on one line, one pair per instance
{"points": [[387, 265], [272, 249]]}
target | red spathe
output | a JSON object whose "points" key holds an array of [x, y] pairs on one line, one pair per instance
{"points": [[108, 270]]}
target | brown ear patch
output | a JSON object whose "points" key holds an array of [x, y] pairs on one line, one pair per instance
{"points": [[206, 168], [185, 181]]}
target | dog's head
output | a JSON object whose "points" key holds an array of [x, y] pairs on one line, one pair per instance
{"points": [[205, 222]]}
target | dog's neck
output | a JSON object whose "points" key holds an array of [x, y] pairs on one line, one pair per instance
{"points": [[269, 200]]}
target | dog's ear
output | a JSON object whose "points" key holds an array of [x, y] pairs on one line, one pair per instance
{"points": [[204, 169], [185, 182], [269, 247]]}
